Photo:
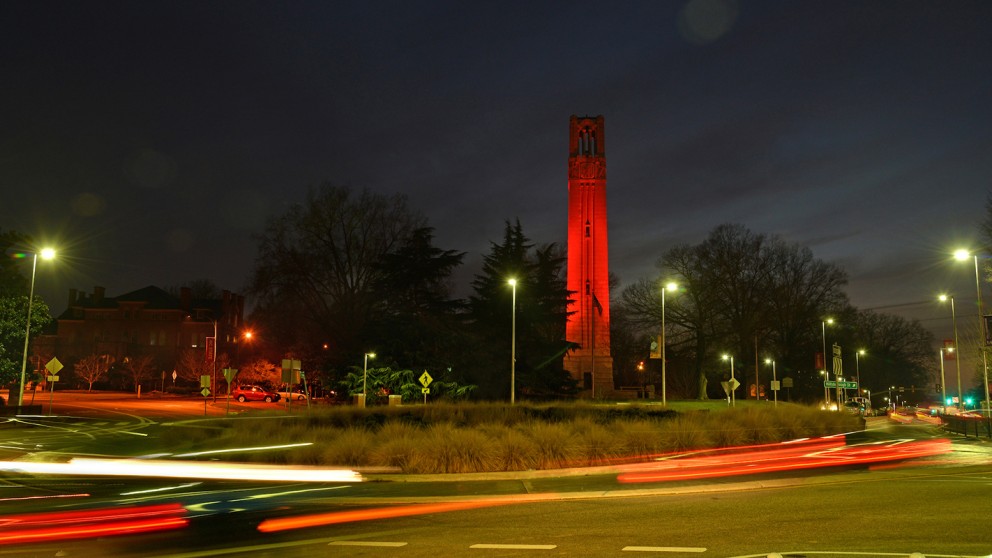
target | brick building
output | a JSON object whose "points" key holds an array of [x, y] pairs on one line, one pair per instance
{"points": [[147, 321]]}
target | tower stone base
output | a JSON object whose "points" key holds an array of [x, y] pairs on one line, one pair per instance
{"points": [[594, 381]]}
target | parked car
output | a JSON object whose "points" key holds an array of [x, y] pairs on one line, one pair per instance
{"points": [[254, 393], [295, 395]]}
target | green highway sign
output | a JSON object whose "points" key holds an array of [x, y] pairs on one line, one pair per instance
{"points": [[844, 385]]}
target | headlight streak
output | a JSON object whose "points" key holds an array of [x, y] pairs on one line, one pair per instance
{"points": [[162, 489], [285, 493], [825, 453], [242, 450], [183, 470]]}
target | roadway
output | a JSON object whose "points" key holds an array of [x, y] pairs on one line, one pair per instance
{"points": [[935, 505]]}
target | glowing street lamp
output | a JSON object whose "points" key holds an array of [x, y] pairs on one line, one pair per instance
{"points": [[857, 364], [46, 254], [365, 372], [943, 386], [513, 344], [826, 374], [962, 255], [670, 287], [957, 360], [774, 380], [732, 400]]}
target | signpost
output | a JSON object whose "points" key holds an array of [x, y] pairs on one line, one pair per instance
{"points": [[290, 377], [229, 375], [729, 386], [425, 380], [53, 366], [205, 384]]}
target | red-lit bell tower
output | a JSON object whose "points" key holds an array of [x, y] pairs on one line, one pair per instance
{"points": [[588, 258]]}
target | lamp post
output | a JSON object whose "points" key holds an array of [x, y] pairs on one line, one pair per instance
{"points": [[774, 380], [943, 386], [957, 360], [826, 374], [513, 343], [961, 255], [664, 391], [731, 399], [857, 367], [365, 373], [47, 254]]}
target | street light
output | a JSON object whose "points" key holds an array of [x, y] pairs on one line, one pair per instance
{"points": [[957, 360], [732, 400], [826, 374], [774, 380], [365, 373], [857, 367], [672, 287], [943, 386], [962, 255], [46, 254], [513, 344]]}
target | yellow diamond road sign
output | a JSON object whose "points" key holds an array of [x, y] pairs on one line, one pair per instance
{"points": [[425, 379], [53, 366]]}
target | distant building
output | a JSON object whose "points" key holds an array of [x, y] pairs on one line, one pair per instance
{"points": [[148, 321]]}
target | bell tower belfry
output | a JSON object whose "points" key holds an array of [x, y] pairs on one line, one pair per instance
{"points": [[588, 273]]}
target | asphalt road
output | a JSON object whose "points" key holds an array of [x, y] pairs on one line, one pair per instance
{"points": [[937, 505]]}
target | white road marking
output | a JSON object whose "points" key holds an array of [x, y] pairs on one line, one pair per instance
{"points": [[517, 546], [663, 549], [365, 543]]}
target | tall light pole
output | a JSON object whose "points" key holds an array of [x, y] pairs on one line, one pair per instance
{"points": [[365, 372], [664, 390], [732, 400], [774, 379], [961, 255], [957, 359], [857, 367], [826, 373], [513, 343], [47, 254], [943, 387]]}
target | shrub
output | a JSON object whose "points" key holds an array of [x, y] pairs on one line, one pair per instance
{"points": [[448, 449], [514, 450], [639, 438], [553, 445], [686, 432], [352, 446]]}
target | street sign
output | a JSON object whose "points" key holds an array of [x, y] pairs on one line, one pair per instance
{"points": [[425, 390], [205, 381], [844, 385], [211, 353], [230, 373], [425, 379], [53, 366], [730, 385], [775, 385], [53, 378], [205, 391]]}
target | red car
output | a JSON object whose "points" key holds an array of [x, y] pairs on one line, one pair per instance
{"points": [[254, 393]]}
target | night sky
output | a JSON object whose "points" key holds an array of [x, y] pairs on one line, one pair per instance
{"points": [[150, 140]]}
